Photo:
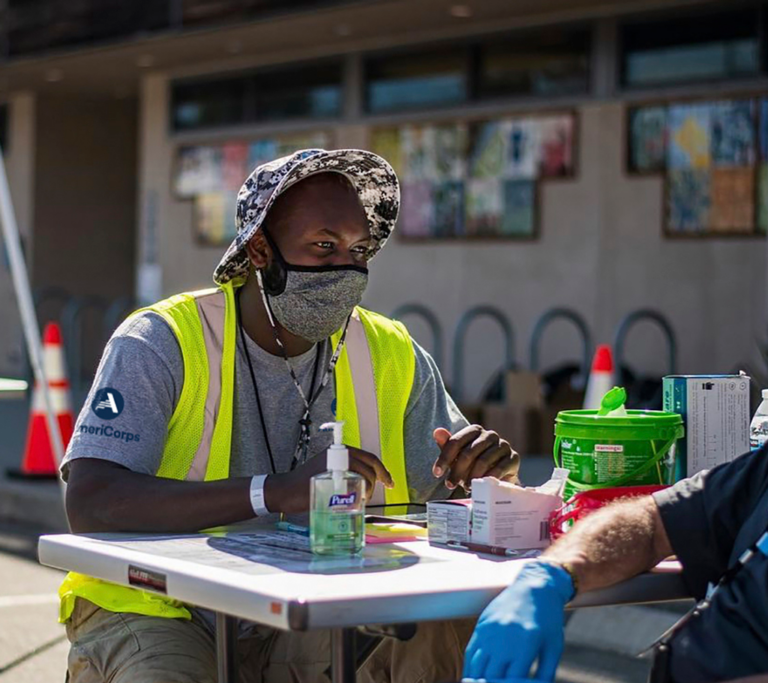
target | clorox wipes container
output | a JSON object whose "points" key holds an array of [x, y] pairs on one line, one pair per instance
{"points": [[616, 447]]}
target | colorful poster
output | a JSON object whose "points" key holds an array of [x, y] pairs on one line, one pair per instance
{"points": [[210, 217], [556, 146], [733, 134], [648, 139], [418, 145], [188, 177], [233, 165], [488, 149], [386, 143], [288, 145], [688, 200], [762, 199], [483, 207], [260, 152], [210, 178], [518, 218], [449, 209], [732, 200], [689, 136], [450, 152], [416, 208], [523, 149]]}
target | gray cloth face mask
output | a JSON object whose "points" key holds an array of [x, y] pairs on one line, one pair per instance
{"points": [[316, 303], [311, 302]]}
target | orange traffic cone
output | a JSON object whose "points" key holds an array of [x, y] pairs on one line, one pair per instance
{"points": [[39, 460], [600, 378]]}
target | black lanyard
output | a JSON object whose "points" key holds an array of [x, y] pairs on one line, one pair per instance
{"points": [[302, 448], [313, 396], [662, 647]]}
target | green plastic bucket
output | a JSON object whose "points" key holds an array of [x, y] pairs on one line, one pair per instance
{"points": [[621, 450]]}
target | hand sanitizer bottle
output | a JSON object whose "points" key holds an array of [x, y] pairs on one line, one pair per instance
{"points": [[337, 503]]}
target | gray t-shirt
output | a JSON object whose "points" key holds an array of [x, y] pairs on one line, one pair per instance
{"points": [[142, 366]]}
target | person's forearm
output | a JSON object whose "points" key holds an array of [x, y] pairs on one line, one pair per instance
{"points": [[121, 500], [613, 544]]}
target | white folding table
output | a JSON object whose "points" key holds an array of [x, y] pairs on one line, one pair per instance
{"points": [[12, 388], [236, 575]]}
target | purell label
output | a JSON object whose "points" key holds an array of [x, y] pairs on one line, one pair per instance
{"points": [[339, 500]]}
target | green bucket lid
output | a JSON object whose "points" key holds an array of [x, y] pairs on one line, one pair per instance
{"points": [[636, 424]]}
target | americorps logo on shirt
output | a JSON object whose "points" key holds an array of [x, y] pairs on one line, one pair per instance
{"points": [[107, 404]]}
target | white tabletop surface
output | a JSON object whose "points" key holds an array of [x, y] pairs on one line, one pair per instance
{"points": [[235, 573]]}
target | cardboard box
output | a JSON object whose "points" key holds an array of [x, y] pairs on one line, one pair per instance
{"points": [[449, 520], [518, 425], [514, 517], [523, 389], [518, 418], [715, 411]]}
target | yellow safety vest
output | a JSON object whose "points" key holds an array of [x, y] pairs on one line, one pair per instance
{"points": [[373, 378]]}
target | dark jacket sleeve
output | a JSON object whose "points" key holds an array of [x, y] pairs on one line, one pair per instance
{"points": [[703, 515]]}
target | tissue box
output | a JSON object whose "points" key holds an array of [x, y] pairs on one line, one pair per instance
{"points": [[449, 520], [715, 410], [513, 517]]}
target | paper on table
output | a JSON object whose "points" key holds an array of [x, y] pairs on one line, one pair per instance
{"points": [[398, 532]]}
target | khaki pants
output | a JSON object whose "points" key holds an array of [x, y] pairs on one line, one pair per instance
{"points": [[131, 648]]}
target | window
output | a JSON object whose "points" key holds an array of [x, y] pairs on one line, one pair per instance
{"points": [[312, 91], [414, 81], [541, 62], [707, 47], [547, 63]]}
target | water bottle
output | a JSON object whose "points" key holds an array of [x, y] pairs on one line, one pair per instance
{"points": [[758, 428]]}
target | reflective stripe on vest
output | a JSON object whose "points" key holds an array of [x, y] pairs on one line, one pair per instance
{"points": [[373, 378], [211, 309], [366, 402]]}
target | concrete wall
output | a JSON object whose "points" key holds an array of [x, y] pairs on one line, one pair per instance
{"points": [[19, 166], [85, 195], [601, 252], [85, 204]]}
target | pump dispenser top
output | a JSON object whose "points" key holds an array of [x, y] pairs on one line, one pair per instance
{"points": [[338, 455]]}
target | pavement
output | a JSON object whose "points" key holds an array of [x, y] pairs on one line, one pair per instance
{"points": [[601, 643], [33, 646]]}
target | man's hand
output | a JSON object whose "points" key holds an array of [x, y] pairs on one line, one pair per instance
{"points": [[522, 625], [472, 453], [288, 492]]}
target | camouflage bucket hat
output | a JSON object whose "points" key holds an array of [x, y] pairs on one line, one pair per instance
{"points": [[372, 177]]}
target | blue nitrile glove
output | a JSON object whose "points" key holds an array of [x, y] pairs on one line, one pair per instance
{"points": [[523, 624]]}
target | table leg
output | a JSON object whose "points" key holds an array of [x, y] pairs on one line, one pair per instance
{"points": [[343, 655], [226, 648]]}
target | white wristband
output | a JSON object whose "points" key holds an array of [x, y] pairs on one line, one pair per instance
{"points": [[257, 495]]}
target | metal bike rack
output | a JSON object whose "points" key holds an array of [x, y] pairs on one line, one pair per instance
{"points": [[71, 322], [630, 320], [45, 294], [462, 326], [435, 327], [581, 325]]}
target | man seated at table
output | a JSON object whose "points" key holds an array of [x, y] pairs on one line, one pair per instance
{"points": [[205, 411], [708, 522]]}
